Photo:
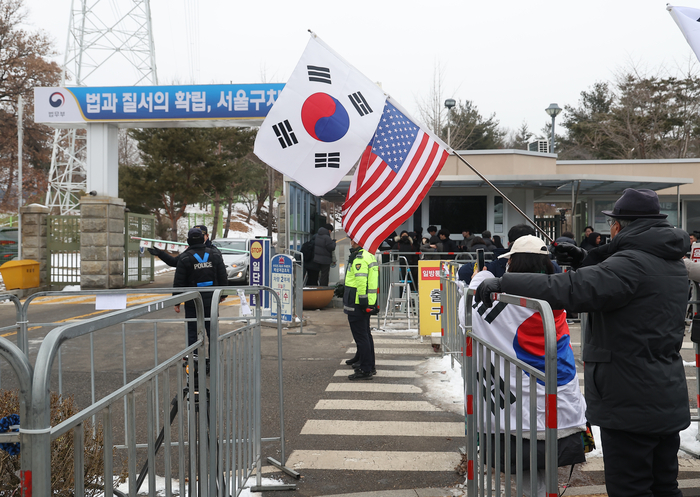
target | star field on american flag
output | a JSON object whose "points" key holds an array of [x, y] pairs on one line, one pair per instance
{"points": [[394, 137]]}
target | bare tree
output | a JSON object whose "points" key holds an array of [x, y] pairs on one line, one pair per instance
{"points": [[128, 149], [24, 65], [431, 108]]}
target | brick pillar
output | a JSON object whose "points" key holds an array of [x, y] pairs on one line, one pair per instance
{"points": [[101, 242], [33, 236]]}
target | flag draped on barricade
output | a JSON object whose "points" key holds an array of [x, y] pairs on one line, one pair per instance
{"points": [[688, 19], [396, 171], [328, 116], [322, 120]]}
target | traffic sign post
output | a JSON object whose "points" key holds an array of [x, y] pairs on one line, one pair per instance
{"points": [[281, 269], [259, 249]]}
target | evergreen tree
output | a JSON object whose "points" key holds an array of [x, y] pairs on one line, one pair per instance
{"points": [[469, 130]]}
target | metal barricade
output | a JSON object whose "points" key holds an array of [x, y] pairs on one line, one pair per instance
{"points": [[484, 386], [298, 283], [452, 340], [19, 323], [215, 442]]}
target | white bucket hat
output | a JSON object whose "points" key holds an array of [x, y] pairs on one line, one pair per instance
{"points": [[527, 244]]}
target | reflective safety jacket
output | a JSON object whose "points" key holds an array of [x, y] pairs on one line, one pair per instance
{"points": [[361, 282]]}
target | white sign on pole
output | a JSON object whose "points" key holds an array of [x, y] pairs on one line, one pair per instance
{"points": [[281, 269]]}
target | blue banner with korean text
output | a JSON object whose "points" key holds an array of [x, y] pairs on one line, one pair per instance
{"points": [[149, 103]]}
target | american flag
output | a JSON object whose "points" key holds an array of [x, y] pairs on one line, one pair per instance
{"points": [[396, 170]]}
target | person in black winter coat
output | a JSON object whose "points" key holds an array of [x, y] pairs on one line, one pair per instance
{"points": [[199, 266], [448, 245], [497, 242], [636, 291], [323, 255], [486, 235], [478, 243], [171, 260], [311, 269], [405, 244], [593, 241]]}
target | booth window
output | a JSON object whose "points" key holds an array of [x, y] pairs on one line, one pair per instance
{"points": [[497, 214], [456, 213]]}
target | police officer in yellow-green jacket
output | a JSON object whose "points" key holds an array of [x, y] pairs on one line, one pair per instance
{"points": [[359, 303]]}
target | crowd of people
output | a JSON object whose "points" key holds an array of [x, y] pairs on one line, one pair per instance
{"points": [[634, 287], [440, 242]]}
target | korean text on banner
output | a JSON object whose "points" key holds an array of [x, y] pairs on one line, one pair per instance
{"points": [[322, 120], [429, 296], [687, 20], [395, 173]]}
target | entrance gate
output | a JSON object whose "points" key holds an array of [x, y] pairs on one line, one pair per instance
{"points": [[63, 246], [135, 271]]}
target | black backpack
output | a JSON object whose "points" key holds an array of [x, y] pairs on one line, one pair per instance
{"points": [[308, 248]]}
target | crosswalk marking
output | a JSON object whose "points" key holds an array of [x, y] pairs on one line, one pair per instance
{"points": [[384, 373], [133, 299], [383, 428], [428, 349], [393, 362], [398, 341], [372, 387], [357, 460], [376, 405], [396, 374]]}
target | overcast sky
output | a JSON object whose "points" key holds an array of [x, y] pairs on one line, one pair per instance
{"points": [[512, 57]]}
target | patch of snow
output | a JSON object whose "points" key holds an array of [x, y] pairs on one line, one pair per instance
{"points": [[689, 440], [71, 288], [402, 330], [175, 485], [443, 385]]}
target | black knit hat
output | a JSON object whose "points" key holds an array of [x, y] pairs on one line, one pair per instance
{"points": [[195, 236], [636, 204], [202, 228]]}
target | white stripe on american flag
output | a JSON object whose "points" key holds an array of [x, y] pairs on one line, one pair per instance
{"points": [[404, 201], [383, 182], [383, 201]]}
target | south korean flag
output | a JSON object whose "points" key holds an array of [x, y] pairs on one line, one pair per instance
{"points": [[322, 121]]}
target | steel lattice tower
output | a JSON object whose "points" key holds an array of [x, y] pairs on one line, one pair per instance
{"points": [[106, 45]]}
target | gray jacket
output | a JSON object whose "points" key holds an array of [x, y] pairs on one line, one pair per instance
{"points": [[636, 297]]}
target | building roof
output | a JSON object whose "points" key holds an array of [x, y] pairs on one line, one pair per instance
{"points": [[545, 185]]}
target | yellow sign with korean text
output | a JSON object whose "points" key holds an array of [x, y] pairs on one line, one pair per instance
{"points": [[429, 296]]}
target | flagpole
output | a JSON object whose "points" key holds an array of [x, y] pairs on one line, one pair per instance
{"points": [[504, 196]]}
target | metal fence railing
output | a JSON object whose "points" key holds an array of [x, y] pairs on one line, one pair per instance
{"points": [[197, 421], [487, 379]]}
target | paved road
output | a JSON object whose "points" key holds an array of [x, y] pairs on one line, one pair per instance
{"points": [[342, 437]]}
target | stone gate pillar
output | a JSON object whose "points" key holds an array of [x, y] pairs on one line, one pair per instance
{"points": [[101, 242], [33, 237]]}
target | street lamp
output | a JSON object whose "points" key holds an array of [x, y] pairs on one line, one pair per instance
{"points": [[449, 103], [553, 110]]}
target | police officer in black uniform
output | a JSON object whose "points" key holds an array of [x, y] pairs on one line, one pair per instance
{"points": [[199, 266], [172, 261]]}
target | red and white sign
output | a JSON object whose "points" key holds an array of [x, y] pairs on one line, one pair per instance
{"points": [[695, 252]]}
